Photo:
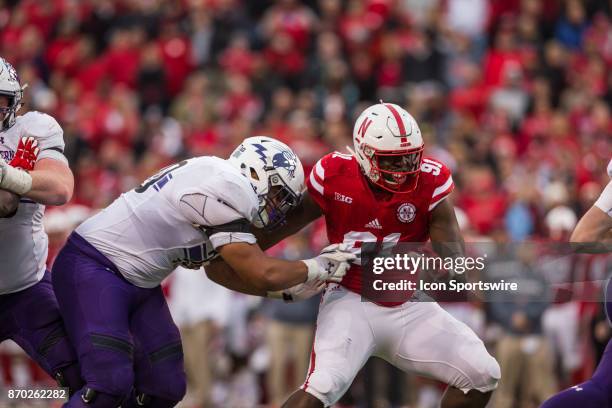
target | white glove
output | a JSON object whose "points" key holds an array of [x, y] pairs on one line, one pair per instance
{"points": [[14, 180], [299, 292], [331, 264]]}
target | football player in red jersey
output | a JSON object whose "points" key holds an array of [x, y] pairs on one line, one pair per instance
{"points": [[385, 192]]}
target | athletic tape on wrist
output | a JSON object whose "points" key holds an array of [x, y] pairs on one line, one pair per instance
{"points": [[313, 269], [15, 180]]}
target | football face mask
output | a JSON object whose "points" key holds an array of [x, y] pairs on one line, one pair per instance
{"points": [[275, 205], [397, 171]]}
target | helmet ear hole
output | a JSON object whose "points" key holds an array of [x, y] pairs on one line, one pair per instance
{"points": [[254, 174]]}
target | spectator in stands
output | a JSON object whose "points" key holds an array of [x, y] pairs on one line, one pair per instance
{"points": [[523, 353], [289, 334], [201, 324]]}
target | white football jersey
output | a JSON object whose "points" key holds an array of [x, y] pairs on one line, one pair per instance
{"points": [[178, 217], [604, 202], [23, 241]]}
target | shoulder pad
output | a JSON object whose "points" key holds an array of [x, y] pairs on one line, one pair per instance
{"points": [[39, 125]]}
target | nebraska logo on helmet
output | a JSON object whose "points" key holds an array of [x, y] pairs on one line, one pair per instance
{"points": [[364, 126], [389, 147]]}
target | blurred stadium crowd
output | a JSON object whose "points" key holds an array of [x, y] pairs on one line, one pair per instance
{"points": [[513, 95]]}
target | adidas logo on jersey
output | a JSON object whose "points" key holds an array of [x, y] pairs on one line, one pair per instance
{"points": [[374, 224]]}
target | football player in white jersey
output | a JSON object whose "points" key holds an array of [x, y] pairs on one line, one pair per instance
{"points": [[107, 277], [593, 234], [33, 173]]}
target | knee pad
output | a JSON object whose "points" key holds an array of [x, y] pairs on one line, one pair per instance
{"points": [[108, 366], [327, 386], [482, 374], [57, 352], [163, 375], [490, 375]]}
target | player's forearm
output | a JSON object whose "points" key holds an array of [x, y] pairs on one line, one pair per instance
{"points": [[444, 231], [593, 227], [221, 273], [262, 272], [449, 249], [277, 274], [9, 202], [592, 234]]}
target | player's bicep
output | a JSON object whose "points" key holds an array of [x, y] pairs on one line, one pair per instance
{"points": [[604, 202], [444, 230], [594, 226], [246, 259], [443, 224], [52, 182], [59, 168], [594, 230]]}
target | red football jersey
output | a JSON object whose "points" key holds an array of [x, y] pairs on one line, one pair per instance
{"points": [[355, 214]]}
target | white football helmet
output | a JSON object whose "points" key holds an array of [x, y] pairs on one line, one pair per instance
{"points": [[276, 174], [11, 88], [389, 147]]}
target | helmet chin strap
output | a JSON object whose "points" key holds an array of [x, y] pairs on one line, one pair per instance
{"points": [[263, 218]]}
